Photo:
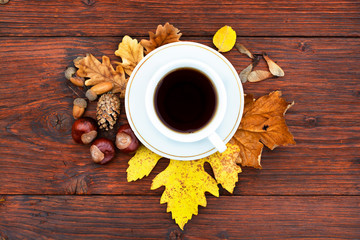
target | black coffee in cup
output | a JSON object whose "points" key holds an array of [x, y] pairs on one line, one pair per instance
{"points": [[185, 100]]}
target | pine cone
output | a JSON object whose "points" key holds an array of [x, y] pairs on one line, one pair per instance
{"points": [[107, 111]]}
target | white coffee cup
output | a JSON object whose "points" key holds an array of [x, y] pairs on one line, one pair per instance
{"points": [[208, 131]]}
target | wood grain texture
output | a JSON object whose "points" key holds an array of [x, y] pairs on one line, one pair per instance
{"points": [[130, 217], [310, 190], [193, 17], [39, 156]]}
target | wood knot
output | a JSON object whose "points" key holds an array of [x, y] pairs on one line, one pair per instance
{"points": [[77, 185], [59, 121], [223, 235], [311, 121], [357, 94], [175, 234], [304, 46], [88, 2]]}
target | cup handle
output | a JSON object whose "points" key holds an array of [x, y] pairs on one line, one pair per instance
{"points": [[217, 142]]}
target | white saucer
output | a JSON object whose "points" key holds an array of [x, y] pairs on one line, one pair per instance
{"points": [[135, 100]]}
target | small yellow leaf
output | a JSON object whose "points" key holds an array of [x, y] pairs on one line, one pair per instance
{"points": [[141, 164], [185, 185], [131, 52], [224, 166], [224, 39]]}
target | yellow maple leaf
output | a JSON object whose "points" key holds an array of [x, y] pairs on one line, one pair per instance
{"points": [[163, 35], [224, 166], [141, 164], [263, 120], [131, 52], [98, 72], [185, 185], [224, 39]]}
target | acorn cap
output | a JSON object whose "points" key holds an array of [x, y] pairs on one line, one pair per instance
{"points": [[80, 102], [91, 95], [69, 72]]}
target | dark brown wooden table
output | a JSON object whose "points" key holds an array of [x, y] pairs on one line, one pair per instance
{"points": [[50, 189]]}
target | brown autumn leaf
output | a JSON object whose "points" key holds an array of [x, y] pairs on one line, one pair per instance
{"points": [[131, 52], [163, 35], [259, 75], [273, 67], [98, 72], [242, 49], [263, 120], [250, 149]]}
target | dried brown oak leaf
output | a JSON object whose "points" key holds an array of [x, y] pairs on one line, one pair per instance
{"points": [[263, 120], [98, 72], [164, 35], [131, 52]]}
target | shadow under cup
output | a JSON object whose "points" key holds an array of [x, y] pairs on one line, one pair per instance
{"points": [[186, 101]]}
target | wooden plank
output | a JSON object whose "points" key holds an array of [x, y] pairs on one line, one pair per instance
{"points": [[39, 157], [193, 17], [134, 217]]}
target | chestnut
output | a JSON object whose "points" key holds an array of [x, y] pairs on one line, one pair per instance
{"points": [[126, 140], [102, 150], [84, 130]]}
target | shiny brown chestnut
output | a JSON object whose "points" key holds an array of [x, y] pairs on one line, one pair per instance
{"points": [[102, 150], [126, 140], [84, 130]]}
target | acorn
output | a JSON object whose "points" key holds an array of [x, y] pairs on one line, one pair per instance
{"points": [[69, 72], [79, 107], [98, 89]]}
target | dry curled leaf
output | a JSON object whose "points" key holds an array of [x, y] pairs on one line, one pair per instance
{"points": [[273, 67], [98, 72], [224, 166], [131, 52], [163, 35], [245, 73], [263, 120], [185, 185], [224, 39], [141, 164], [242, 49], [250, 149], [259, 75]]}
